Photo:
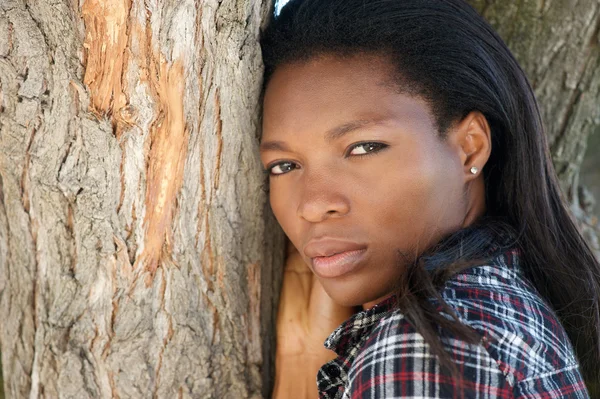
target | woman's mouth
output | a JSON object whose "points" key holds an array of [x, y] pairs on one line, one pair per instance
{"points": [[338, 264]]}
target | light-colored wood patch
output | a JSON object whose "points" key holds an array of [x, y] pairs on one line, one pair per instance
{"points": [[105, 42], [168, 149]]}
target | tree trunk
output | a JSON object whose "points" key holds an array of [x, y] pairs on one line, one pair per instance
{"points": [[557, 42], [137, 252], [138, 255], [590, 174]]}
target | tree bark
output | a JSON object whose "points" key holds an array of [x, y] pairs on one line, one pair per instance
{"points": [[137, 253], [590, 174]]}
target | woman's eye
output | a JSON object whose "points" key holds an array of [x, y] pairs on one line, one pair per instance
{"points": [[366, 148], [281, 168]]}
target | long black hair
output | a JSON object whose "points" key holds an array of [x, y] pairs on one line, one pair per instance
{"points": [[446, 53]]}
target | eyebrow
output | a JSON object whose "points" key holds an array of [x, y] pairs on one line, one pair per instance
{"points": [[331, 135]]}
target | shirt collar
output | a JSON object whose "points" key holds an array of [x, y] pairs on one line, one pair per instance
{"points": [[347, 335]]}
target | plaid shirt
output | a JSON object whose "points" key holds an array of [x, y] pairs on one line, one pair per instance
{"points": [[524, 351]]}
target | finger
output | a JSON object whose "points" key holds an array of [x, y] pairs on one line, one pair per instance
{"points": [[295, 294], [295, 290], [295, 263], [324, 314]]}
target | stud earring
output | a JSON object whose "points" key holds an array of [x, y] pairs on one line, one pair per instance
{"points": [[474, 170]]}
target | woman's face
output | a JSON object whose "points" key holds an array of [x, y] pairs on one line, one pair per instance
{"points": [[358, 170]]}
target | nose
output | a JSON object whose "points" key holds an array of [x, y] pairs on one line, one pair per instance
{"points": [[322, 199]]}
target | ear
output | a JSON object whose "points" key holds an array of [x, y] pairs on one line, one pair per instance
{"points": [[471, 138]]}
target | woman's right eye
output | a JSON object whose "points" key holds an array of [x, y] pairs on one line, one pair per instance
{"points": [[282, 168]]}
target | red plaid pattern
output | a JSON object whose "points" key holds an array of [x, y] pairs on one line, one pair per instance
{"points": [[524, 351]]}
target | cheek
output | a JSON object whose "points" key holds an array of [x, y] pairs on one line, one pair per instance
{"points": [[415, 198]]}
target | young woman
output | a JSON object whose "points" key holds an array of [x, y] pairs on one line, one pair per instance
{"points": [[409, 168]]}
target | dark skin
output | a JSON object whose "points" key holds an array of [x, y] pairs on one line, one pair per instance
{"points": [[411, 189]]}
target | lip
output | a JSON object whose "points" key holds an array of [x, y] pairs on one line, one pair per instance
{"points": [[333, 257]]}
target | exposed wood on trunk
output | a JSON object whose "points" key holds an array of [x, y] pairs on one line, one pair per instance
{"points": [[105, 41]]}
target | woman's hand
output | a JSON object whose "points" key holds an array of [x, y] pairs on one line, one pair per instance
{"points": [[305, 318]]}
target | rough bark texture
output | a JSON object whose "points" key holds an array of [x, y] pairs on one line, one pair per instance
{"points": [[136, 250], [557, 42], [138, 257]]}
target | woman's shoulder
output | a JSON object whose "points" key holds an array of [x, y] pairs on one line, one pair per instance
{"points": [[519, 328], [522, 341]]}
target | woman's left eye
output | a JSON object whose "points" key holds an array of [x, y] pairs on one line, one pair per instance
{"points": [[366, 148]]}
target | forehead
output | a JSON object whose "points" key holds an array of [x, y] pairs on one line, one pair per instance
{"points": [[328, 91], [327, 80]]}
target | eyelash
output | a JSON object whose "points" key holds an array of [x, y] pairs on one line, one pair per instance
{"points": [[381, 146]]}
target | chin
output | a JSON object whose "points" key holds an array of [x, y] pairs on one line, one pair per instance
{"points": [[345, 296], [355, 292]]}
